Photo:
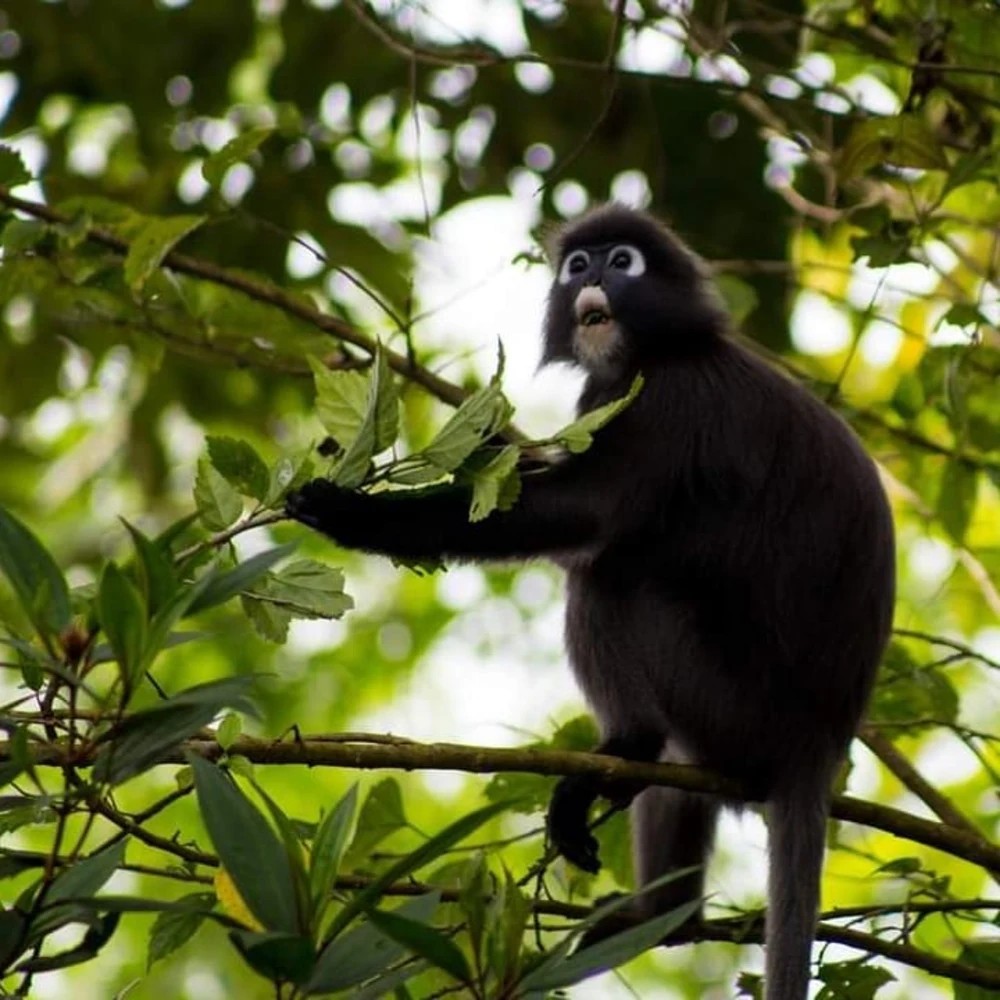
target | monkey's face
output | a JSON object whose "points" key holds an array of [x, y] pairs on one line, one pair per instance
{"points": [[626, 291]]}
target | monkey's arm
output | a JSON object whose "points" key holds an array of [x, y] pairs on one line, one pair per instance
{"points": [[554, 513]]}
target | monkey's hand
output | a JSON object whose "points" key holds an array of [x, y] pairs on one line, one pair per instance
{"points": [[347, 516], [567, 821]]}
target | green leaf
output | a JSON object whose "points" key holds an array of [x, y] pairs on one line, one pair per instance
{"points": [[155, 570], [248, 848], [340, 401], [276, 955], [174, 928], [472, 898], [427, 852], [306, 589], [18, 756], [236, 150], [13, 172], [740, 296], [381, 815], [855, 979], [983, 954], [365, 951], [229, 731], [221, 587], [329, 845], [240, 465], [430, 944], [34, 575], [478, 418], [12, 927], [152, 241], [289, 471], [269, 621], [491, 485], [85, 877], [142, 738], [218, 503], [579, 435], [606, 954], [904, 140], [22, 234], [123, 618], [378, 430], [96, 937], [957, 499]]}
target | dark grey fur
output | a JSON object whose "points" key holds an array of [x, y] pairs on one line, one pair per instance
{"points": [[730, 573]]}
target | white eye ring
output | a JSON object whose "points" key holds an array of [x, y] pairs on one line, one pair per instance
{"points": [[571, 266], [636, 264]]}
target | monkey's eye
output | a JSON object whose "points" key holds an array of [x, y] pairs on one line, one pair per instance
{"points": [[628, 259], [576, 263]]}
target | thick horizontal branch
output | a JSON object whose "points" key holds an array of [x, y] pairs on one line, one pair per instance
{"points": [[269, 294], [961, 843]]}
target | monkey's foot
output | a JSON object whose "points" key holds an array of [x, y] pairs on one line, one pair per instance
{"points": [[567, 822]]}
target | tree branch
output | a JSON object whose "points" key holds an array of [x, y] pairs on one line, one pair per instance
{"points": [[966, 844], [269, 294]]}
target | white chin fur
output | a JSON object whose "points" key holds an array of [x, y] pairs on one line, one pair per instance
{"points": [[596, 345]]}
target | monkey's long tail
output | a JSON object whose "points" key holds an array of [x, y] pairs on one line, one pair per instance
{"points": [[797, 828]]}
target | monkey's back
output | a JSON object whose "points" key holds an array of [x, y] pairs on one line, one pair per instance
{"points": [[743, 592]]}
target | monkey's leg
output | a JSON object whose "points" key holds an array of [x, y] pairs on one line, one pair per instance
{"points": [[574, 795], [671, 829]]}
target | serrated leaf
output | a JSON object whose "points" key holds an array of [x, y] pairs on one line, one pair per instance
{"points": [[248, 848], [288, 472], [957, 499], [174, 928], [378, 429], [152, 241], [218, 503], [229, 731], [240, 465], [22, 234], [855, 979], [491, 482], [34, 575], [236, 150], [478, 418], [307, 589], [430, 944], [220, 587], [13, 172], [270, 621], [579, 435], [340, 401], [904, 140]]}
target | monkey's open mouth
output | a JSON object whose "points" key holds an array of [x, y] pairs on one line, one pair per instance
{"points": [[592, 307], [595, 317]]}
